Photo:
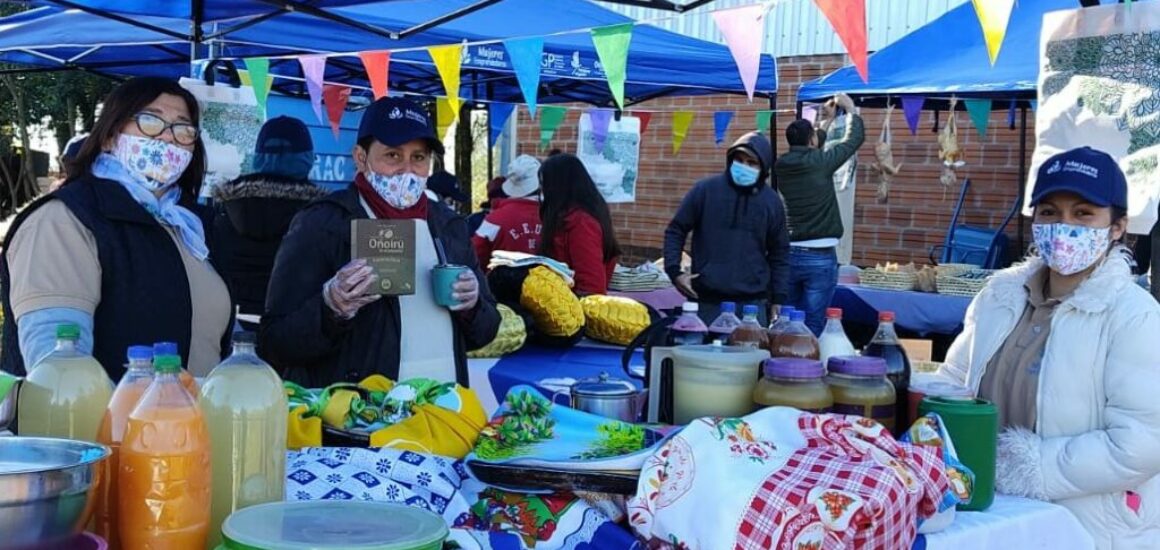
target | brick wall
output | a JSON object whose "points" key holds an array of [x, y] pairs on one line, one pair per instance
{"points": [[919, 209]]}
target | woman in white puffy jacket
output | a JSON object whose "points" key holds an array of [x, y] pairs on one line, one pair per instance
{"points": [[1068, 347]]}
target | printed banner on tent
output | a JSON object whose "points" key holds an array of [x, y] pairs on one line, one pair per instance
{"points": [[614, 165], [1092, 93]]}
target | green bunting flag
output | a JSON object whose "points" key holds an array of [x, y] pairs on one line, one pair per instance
{"points": [[551, 116], [612, 49]]}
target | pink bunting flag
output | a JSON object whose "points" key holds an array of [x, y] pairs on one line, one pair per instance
{"points": [[600, 119], [378, 67], [912, 108], [810, 113], [744, 30], [336, 98], [313, 68]]}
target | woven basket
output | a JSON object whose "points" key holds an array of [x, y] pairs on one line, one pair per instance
{"points": [[873, 278], [963, 285], [954, 270]]}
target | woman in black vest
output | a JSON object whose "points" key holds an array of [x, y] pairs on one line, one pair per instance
{"points": [[120, 249]]}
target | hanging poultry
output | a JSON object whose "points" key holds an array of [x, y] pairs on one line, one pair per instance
{"points": [[949, 151], [884, 166]]}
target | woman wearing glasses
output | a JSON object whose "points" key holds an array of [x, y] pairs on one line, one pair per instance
{"points": [[120, 249]]}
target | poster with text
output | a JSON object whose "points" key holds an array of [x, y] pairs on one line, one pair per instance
{"points": [[1099, 86], [615, 167]]}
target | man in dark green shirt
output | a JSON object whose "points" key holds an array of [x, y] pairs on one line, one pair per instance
{"points": [[805, 177]]}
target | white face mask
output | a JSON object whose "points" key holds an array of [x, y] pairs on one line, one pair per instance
{"points": [[402, 191], [1069, 249], [160, 163]]}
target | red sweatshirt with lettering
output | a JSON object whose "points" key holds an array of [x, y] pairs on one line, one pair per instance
{"points": [[513, 225], [580, 244]]}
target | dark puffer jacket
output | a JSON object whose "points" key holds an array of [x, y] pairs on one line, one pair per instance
{"points": [[253, 215]]}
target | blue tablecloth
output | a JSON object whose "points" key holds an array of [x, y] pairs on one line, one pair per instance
{"points": [[919, 312], [533, 364]]}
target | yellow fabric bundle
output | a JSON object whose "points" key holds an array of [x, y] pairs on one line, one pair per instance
{"points": [[555, 310], [614, 319], [510, 338]]}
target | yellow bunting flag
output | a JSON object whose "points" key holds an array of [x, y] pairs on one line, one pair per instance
{"points": [[447, 60], [445, 114], [681, 122], [993, 17]]}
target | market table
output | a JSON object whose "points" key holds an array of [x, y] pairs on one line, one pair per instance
{"points": [[1011, 522], [920, 312], [661, 300]]}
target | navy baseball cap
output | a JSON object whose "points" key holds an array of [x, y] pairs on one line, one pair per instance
{"points": [[1091, 174], [283, 134], [447, 186], [394, 121]]}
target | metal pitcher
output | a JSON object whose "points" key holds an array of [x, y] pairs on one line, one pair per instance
{"points": [[608, 397]]}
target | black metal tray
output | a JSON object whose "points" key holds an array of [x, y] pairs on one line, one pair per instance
{"points": [[537, 479]]}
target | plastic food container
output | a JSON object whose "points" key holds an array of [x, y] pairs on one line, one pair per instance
{"points": [[331, 525], [797, 383], [860, 387]]}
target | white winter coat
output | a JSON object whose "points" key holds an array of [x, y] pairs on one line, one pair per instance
{"points": [[1097, 429]]}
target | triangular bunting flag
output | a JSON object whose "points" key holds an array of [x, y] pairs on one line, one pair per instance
{"points": [[612, 49], [600, 119], [445, 114], [259, 71], [550, 119], [378, 67], [681, 122], [447, 60], [336, 98], [526, 55], [497, 117], [313, 68], [744, 30], [810, 113], [763, 120], [912, 108], [721, 120], [848, 17], [980, 113], [993, 17], [645, 117]]}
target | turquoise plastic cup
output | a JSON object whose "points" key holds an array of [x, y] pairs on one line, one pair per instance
{"points": [[443, 279]]}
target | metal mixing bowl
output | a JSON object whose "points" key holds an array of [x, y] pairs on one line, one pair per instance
{"points": [[48, 488]]}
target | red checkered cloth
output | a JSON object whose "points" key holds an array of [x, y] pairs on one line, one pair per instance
{"points": [[851, 486]]}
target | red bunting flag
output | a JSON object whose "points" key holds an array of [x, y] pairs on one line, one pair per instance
{"points": [[335, 97], [644, 117], [848, 17], [378, 66]]}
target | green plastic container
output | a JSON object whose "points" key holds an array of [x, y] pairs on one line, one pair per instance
{"points": [[333, 525], [974, 428]]}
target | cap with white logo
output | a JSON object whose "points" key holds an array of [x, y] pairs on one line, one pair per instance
{"points": [[394, 121], [1091, 174]]}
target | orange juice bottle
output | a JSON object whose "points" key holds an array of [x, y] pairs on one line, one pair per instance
{"points": [[165, 470], [187, 380], [112, 431]]}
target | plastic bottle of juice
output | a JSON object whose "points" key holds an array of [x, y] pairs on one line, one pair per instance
{"points": [[165, 469], [244, 404], [833, 341], [112, 432], [750, 334], [797, 340], [170, 348], [688, 329], [885, 344], [722, 327], [65, 394], [778, 325]]}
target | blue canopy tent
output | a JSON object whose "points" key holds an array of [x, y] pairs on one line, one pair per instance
{"points": [[660, 62]]}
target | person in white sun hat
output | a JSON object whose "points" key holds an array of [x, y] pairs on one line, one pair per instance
{"points": [[514, 222]]}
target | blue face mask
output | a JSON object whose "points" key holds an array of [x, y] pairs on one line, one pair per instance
{"points": [[743, 175]]}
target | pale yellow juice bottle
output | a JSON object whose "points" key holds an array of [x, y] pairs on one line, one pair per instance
{"points": [[66, 393], [244, 405]]}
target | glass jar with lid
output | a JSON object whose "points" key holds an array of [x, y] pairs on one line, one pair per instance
{"points": [[794, 382], [860, 387]]}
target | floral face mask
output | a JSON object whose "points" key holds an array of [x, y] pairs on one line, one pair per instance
{"points": [[160, 163], [402, 191], [1069, 249]]}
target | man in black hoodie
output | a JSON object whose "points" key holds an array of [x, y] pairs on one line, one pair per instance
{"points": [[805, 177], [740, 238]]}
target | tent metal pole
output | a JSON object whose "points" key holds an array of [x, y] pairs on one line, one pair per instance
{"points": [[654, 4], [466, 10], [1022, 175], [197, 12], [323, 14], [120, 19], [247, 24], [773, 137]]}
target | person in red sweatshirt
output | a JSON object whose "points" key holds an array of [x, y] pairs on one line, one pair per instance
{"points": [[577, 223], [513, 225]]}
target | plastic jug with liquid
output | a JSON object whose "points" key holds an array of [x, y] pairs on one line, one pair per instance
{"points": [[725, 323], [750, 334], [138, 376], [796, 340], [66, 393], [708, 380], [187, 379], [833, 342], [244, 405], [165, 472]]}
